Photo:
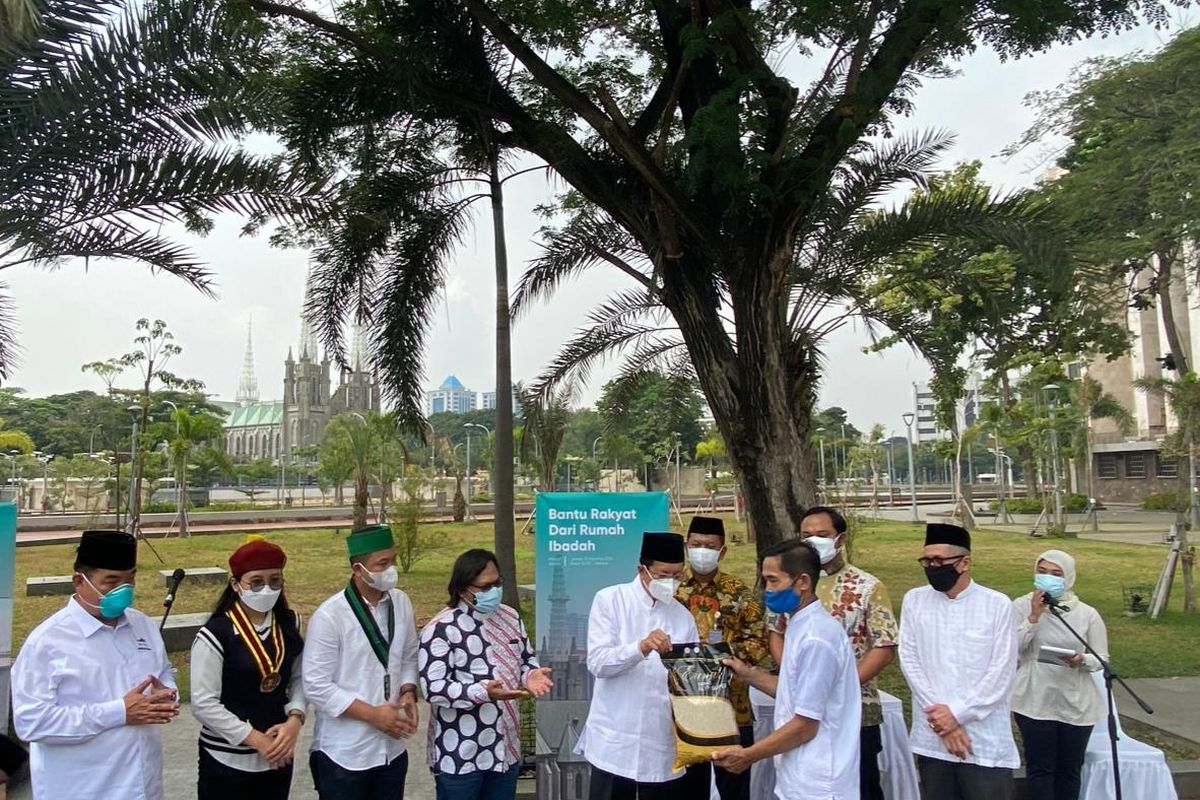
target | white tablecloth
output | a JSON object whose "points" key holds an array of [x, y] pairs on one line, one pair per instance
{"points": [[1144, 771], [896, 766]]}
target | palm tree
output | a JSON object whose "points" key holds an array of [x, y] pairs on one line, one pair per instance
{"points": [[1095, 403], [546, 420], [116, 117], [354, 440], [191, 431], [711, 449], [1183, 396]]}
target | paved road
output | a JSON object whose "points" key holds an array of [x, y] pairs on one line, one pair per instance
{"points": [[179, 760]]}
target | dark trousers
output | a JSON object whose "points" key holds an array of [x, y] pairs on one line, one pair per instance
{"points": [[335, 782], [216, 781], [870, 745], [951, 780], [733, 785], [478, 785], [695, 784], [1054, 754]]}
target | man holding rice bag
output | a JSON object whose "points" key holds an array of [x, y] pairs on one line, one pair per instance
{"points": [[629, 737], [818, 703]]}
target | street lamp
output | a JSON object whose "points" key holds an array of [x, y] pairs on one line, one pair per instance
{"points": [[486, 431], [1051, 391], [909, 418], [821, 444], [45, 458], [134, 508], [595, 442], [678, 447]]}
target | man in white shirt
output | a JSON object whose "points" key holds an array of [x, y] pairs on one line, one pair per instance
{"points": [[629, 737], [360, 673], [92, 682], [818, 702], [958, 651]]}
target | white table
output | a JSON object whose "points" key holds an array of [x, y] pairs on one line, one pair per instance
{"points": [[897, 769], [1144, 771]]}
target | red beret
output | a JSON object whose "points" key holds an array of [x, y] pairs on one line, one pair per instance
{"points": [[256, 554]]}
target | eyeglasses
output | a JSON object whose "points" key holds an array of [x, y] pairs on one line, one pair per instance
{"points": [[496, 584], [938, 562], [257, 584]]}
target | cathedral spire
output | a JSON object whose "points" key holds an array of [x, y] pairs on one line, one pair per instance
{"points": [[358, 348], [308, 336], [247, 392]]}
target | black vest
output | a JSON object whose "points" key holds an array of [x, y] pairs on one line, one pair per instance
{"points": [[241, 679]]}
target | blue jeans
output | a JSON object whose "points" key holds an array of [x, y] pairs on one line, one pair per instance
{"points": [[478, 785], [335, 782]]}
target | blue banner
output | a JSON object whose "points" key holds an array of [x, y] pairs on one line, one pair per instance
{"points": [[8, 557], [585, 542]]}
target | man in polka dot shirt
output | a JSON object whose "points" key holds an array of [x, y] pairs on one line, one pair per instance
{"points": [[475, 663]]}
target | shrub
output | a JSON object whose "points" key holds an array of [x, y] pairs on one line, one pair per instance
{"points": [[158, 508], [481, 497], [1165, 501], [1072, 504]]}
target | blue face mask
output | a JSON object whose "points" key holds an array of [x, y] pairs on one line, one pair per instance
{"points": [[784, 601], [115, 602], [1052, 585], [488, 600]]}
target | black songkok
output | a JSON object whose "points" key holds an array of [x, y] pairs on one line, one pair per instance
{"points": [[941, 533], [664, 547], [115, 550], [707, 526]]}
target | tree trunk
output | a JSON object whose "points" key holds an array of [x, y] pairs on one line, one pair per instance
{"points": [[1167, 312], [361, 499], [762, 395], [502, 469]]}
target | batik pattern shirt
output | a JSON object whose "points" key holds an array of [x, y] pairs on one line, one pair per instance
{"points": [[726, 610], [462, 651]]}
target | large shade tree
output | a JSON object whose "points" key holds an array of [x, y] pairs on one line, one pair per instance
{"points": [[711, 174]]}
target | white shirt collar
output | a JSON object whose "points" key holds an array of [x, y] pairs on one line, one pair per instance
{"points": [[88, 624], [643, 596]]}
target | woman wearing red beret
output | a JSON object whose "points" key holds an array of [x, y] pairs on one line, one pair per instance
{"points": [[246, 689]]}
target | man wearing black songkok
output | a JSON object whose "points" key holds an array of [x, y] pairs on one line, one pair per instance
{"points": [[91, 683], [629, 737], [958, 651]]}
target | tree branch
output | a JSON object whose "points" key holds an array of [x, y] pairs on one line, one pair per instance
{"points": [[621, 142]]}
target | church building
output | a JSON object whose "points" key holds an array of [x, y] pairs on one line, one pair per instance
{"points": [[275, 428]]}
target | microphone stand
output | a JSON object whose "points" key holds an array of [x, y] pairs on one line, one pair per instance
{"points": [[1110, 677], [169, 602]]}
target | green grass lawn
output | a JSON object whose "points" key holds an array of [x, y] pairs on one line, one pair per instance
{"points": [[317, 568]]}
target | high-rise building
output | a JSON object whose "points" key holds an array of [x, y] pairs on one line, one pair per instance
{"points": [[488, 401], [926, 427], [451, 396]]}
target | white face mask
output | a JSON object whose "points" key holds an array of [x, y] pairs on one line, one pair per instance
{"points": [[827, 549], [261, 601], [663, 589], [383, 581], [703, 559]]}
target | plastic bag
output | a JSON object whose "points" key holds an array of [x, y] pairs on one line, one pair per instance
{"points": [[698, 684]]}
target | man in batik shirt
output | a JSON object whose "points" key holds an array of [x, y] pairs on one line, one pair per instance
{"points": [[859, 601], [725, 611]]}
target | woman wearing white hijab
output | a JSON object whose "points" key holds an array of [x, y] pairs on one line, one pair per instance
{"points": [[1055, 701]]}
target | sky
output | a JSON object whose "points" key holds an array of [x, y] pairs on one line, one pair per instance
{"points": [[71, 316]]}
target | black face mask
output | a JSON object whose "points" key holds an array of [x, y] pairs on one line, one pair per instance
{"points": [[942, 578]]}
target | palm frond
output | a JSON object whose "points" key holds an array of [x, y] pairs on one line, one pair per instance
{"points": [[588, 240]]}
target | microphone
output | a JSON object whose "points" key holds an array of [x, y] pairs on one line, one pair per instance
{"points": [[1049, 601], [176, 578]]}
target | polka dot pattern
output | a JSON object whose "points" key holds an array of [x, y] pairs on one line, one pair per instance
{"points": [[458, 652]]}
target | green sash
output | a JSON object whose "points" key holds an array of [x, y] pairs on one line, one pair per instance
{"points": [[370, 627]]}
